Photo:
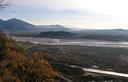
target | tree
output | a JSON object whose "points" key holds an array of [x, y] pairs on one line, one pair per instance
{"points": [[40, 68], [17, 66]]}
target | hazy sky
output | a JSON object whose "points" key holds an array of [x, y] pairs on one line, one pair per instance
{"points": [[88, 14]]}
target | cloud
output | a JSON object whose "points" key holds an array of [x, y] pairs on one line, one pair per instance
{"points": [[51, 4], [107, 7], [71, 12]]}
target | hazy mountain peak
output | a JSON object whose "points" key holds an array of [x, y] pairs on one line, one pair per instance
{"points": [[19, 22], [1, 20], [120, 29], [57, 25], [13, 19], [53, 27], [17, 25]]}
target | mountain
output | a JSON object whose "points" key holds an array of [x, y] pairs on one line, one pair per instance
{"points": [[110, 34], [16, 25], [1, 20], [53, 28], [19, 26]]}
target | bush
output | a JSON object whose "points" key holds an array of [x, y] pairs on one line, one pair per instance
{"points": [[17, 66]]}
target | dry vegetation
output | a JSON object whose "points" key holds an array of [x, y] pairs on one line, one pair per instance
{"points": [[16, 66]]}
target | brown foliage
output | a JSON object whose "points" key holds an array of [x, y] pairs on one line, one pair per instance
{"points": [[9, 77], [41, 67], [16, 65]]}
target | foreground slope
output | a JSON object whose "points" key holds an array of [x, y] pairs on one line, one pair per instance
{"points": [[17, 66]]}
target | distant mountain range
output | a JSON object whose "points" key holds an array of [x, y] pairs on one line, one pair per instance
{"points": [[22, 28], [14, 25], [53, 28], [18, 26]]}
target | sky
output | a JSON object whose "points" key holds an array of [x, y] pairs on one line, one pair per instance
{"points": [[84, 14]]}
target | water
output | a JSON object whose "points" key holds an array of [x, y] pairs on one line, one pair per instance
{"points": [[80, 42], [101, 71], [106, 72]]}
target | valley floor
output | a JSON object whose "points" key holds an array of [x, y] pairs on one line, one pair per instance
{"points": [[97, 57]]}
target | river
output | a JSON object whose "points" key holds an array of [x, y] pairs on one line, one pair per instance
{"points": [[80, 42], [101, 71]]}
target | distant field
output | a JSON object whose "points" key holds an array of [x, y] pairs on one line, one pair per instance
{"points": [[108, 55], [105, 58], [115, 59]]}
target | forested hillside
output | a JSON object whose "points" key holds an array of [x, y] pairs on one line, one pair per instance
{"points": [[17, 66]]}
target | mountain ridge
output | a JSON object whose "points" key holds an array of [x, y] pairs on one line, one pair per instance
{"points": [[17, 25]]}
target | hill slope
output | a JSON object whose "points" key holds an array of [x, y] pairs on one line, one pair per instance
{"points": [[14, 25], [17, 66], [18, 26]]}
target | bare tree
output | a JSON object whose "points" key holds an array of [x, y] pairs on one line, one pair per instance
{"points": [[4, 4]]}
